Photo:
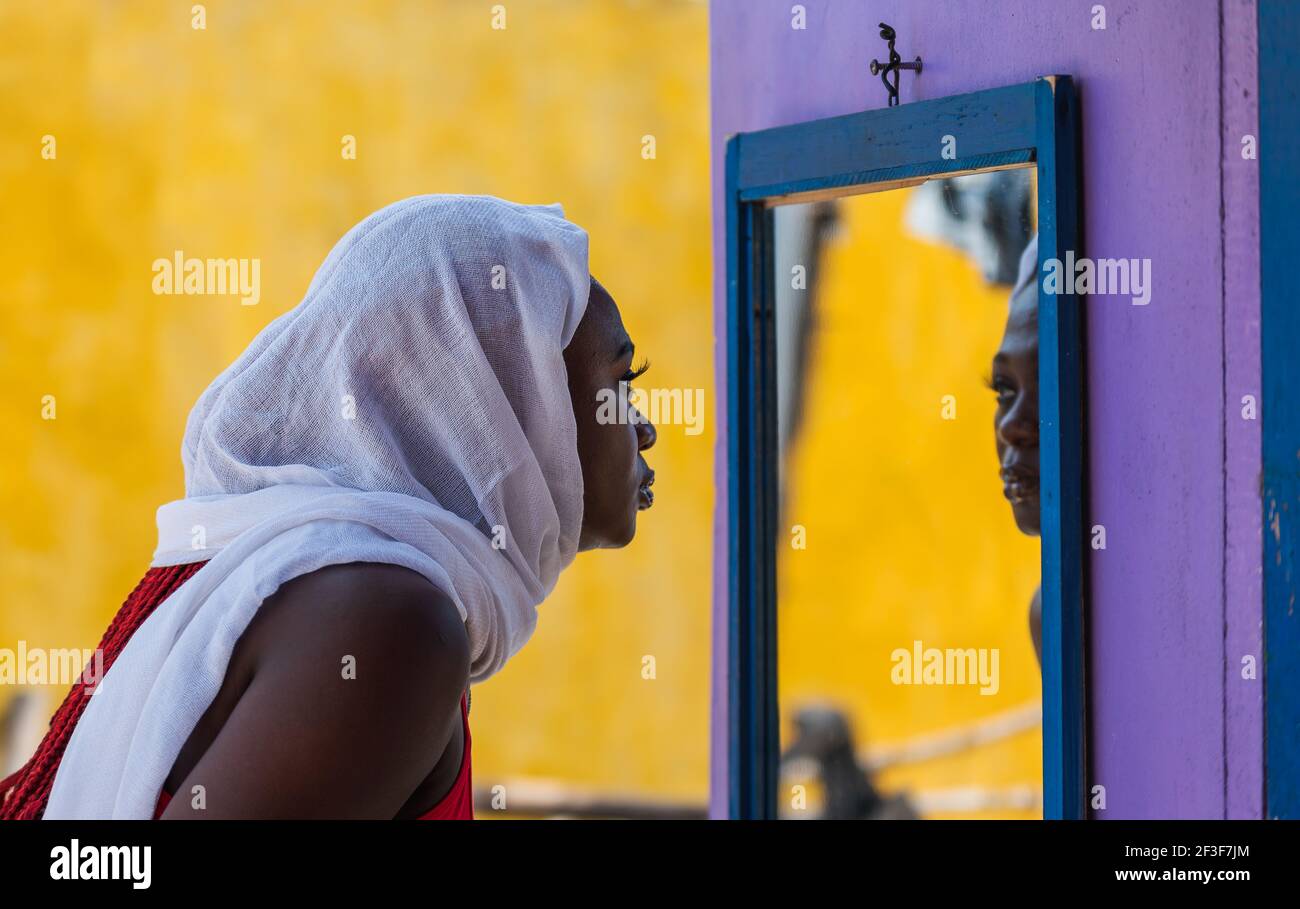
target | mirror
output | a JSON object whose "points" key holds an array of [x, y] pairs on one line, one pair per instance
{"points": [[907, 526]]}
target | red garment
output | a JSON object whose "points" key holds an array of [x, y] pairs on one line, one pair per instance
{"points": [[456, 805]]}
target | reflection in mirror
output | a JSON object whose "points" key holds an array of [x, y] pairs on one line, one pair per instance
{"points": [[907, 557]]}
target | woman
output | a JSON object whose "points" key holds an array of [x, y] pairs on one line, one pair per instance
{"points": [[1015, 423], [379, 493]]}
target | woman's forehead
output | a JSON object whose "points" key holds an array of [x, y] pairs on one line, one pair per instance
{"points": [[607, 321], [1021, 334]]}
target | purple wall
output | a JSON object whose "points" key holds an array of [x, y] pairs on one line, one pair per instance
{"points": [[1167, 93], [1244, 546]]}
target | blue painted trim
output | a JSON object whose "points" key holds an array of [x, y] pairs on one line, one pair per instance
{"points": [[1016, 125], [889, 174], [766, 456], [751, 709], [1279, 240], [1061, 452], [990, 122], [738, 775]]}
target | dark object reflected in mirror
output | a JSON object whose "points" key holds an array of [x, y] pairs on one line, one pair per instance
{"points": [[827, 780]]}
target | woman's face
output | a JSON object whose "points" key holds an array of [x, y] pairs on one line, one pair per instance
{"points": [[611, 432], [1015, 424]]}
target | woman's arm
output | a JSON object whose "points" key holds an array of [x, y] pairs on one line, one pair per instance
{"points": [[358, 675]]}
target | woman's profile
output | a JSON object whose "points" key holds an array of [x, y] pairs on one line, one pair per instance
{"points": [[1014, 380], [379, 493]]}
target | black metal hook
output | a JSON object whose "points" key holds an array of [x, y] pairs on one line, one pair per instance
{"points": [[893, 66]]}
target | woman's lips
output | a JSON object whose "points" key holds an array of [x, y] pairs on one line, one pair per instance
{"points": [[645, 495], [1019, 485]]}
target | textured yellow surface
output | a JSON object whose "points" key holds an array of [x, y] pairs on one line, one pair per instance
{"points": [[908, 534], [225, 142]]}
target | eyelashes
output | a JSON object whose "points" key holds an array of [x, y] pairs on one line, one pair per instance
{"points": [[636, 372], [1004, 390]]}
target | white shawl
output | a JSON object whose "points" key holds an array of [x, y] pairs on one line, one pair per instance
{"points": [[413, 409]]}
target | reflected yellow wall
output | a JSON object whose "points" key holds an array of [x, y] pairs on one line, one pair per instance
{"points": [[226, 142], [908, 534]]}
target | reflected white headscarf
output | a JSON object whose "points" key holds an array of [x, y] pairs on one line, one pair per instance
{"points": [[1028, 271], [413, 409]]}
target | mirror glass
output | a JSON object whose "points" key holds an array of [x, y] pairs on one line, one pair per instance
{"points": [[907, 552]]}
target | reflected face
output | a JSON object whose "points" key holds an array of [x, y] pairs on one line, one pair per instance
{"points": [[611, 432], [1015, 381]]}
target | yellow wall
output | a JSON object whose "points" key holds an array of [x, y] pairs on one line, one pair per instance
{"points": [[226, 142], [908, 534]]}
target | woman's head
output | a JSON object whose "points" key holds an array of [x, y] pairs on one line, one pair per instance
{"points": [[1015, 381], [611, 432], [428, 359]]}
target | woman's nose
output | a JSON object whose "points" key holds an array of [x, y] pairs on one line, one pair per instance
{"points": [[1018, 427], [646, 433]]}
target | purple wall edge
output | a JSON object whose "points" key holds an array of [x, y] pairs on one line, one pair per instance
{"points": [[1244, 545]]}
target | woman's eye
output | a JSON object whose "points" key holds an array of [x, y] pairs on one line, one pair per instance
{"points": [[1003, 389], [636, 372]]}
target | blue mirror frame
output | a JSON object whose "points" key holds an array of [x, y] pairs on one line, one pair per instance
{"points": [[1030, 124]]}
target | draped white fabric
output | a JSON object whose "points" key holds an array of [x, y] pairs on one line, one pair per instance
{"points": [[413, 409]]}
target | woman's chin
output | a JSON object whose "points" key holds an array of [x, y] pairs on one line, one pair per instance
{"points": [[609, 538], [1027, 516], [627, 535]]}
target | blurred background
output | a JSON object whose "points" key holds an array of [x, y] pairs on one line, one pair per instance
{"points": [[227, 141]]}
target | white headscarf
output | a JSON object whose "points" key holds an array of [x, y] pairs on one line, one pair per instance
{"points": [[414, 410]]}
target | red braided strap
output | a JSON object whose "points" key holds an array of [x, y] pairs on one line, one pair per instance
{"points": [[25, 792]]}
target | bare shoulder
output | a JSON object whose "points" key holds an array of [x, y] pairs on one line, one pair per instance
{"points": [[354, 678], [384, 608]]}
